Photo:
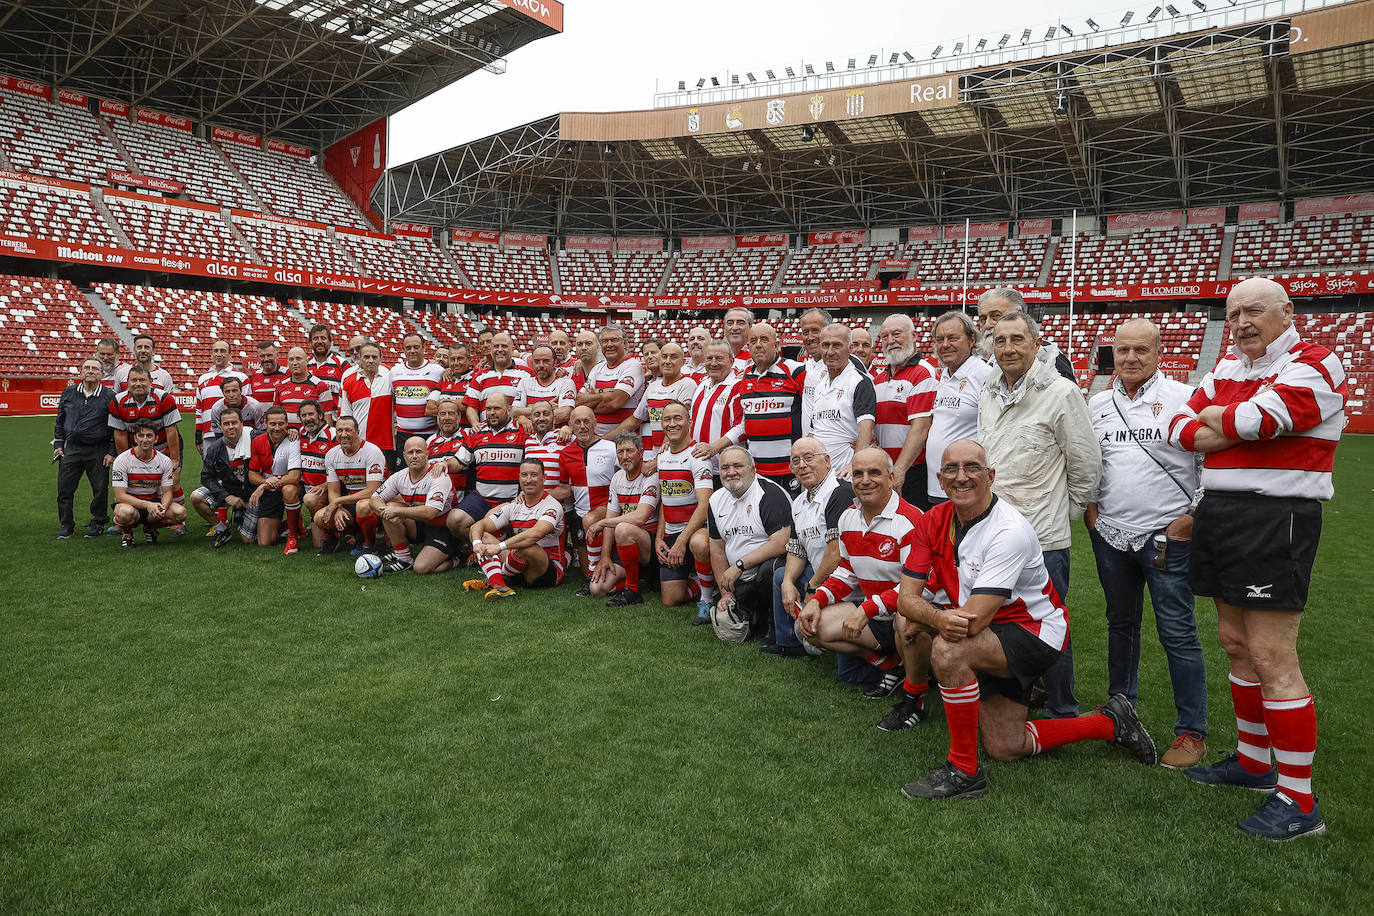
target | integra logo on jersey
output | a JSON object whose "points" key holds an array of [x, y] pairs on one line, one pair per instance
{"points": [[739, 530]]}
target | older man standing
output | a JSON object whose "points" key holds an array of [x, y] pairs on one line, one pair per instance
{"points": [[502, 377], [614, 385], [844, 402], [906, 400], [770, 406], [366, 397], [1268, 419], [209, 390], [735, 332], [83, 444], [1140, 524], [996, 303], [1035, 427], [958, 383], [588, 354]]}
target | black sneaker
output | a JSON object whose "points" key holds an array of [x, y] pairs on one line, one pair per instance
{"points": [[1279, 818], [127, 542], [94, 530], [223, 537], [888, 682], [1228, 772], [393, 563], [328, 548], [910, 710], [65, 532], [583, 592], [150, 536], [624, 598], [948, 781], [784, 651], [1130, 733]]}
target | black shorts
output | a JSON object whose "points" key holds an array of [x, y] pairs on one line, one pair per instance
{"points": [[1255, 551], [271, 505], [683, 573], [885, 633], [438, 537], [789, 484], [914, 487], [1028, 657], [573, 522], [550, 577]]}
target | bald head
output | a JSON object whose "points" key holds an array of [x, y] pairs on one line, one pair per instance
{"points": [[1259, 312], [298, 363], [582, 421]]}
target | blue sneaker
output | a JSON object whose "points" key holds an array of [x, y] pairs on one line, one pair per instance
{"points": [[1280, 819], [703, 613], [1228, 772], [359, 549]]}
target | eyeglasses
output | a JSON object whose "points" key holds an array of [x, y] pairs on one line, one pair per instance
{"points": [[951, 471], [805, 459]]}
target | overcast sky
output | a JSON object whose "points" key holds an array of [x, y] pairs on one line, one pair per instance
{"points": [[611, 53]]}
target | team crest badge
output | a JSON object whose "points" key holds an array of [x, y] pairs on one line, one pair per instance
{"points": [[353, 153], [962, 383], [1155, 408], [854, 103], [886, 547], [693, 120], [734, 117], [777, 111], [816, 107]]}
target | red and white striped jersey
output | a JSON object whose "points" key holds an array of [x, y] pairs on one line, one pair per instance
{"points": [[208, 392], [559, 392], [142, 479], [111, 375], [903, 398], [264, 385], [547, 450], [695, 373], [578, 374], [489, 381], [161, 378], [680, 476], [495, 455], [628, 495], [770, 409], [410, 391], [649, 412], [589, 469], [517, 516], [355, 471], [278, 460], [872, 555], [627, 376], [329, 370], [369, 402], [441, 447], [715, 412], [998, 553], [453, 390], [159, 407], [1286, 408], [313, 450], [291, 394], [431, 491], [743, 363]]}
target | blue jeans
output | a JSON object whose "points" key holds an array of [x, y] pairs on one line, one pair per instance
{"points": [[1124, 578], [784, 633], [1060, 703]]}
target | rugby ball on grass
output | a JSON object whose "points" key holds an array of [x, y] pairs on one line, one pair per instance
{"points": [[368, 566]]}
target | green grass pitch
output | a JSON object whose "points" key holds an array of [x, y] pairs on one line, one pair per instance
{"points": [[190, 731]]}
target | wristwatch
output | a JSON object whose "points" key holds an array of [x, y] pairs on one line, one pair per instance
{"points": [[740, 564]]}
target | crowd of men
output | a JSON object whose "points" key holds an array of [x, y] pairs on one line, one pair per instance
{"points": [[915, 519]]}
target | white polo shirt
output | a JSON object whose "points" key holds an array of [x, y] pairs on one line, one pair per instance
{"points": [[838, 406], [955, 415]]}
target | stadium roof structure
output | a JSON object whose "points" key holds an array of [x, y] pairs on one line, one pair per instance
{"points": [[1279, 108], [305, 71]]}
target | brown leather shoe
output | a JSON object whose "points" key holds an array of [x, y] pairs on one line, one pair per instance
{"points": [[1186, 751]]}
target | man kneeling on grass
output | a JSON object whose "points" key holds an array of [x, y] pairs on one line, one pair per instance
{"points": [[1007, 629], [413, 505], [143, 482], [523, 537]]}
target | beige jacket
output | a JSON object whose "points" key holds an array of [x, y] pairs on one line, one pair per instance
{"points": [[1042, 445]]}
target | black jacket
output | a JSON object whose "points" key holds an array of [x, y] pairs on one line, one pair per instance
{"points": [[84, 421], [220, 477]]}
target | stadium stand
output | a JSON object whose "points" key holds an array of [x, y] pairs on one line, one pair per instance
{"points": [[308, 247], [185, 323], [46, 327], [289, 186], [175, 227], [432, 261], [524, 270], [384, 326], [57, 140], [600, 272], [164, 152], [1350, 335], [60, 214], [1149, 256], [1326, 244], [1001, 261], [378, 256], [736, 271], [832, 264]]}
